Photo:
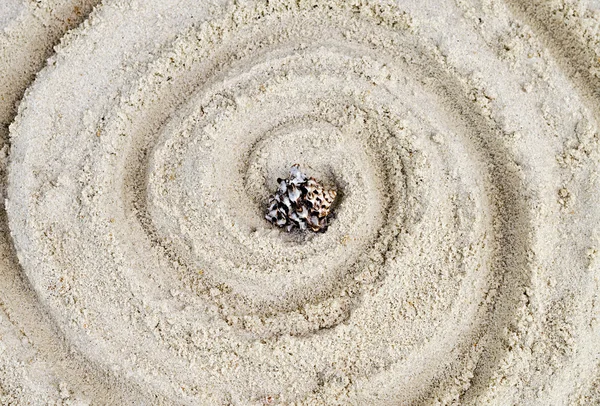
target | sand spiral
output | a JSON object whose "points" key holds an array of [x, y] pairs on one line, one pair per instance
{"points": [[461, 261]]}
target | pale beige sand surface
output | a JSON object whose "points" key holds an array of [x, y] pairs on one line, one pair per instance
{"points": [[460, 268]]}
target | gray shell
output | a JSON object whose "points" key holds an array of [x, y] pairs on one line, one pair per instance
{"points": [[300, 202]]}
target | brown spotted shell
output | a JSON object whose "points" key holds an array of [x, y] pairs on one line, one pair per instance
{"points": [[300, 202]]}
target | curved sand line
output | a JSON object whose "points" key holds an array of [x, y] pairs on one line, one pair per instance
{"points": [[460, 266]]}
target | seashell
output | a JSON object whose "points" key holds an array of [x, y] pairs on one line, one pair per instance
{"points": [[300, 202], [294, 193]]}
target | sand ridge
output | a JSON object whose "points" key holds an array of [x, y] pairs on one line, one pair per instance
{"points": [[460, 267]]}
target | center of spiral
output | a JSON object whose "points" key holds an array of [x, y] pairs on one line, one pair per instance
{"points": [[301, 203]]}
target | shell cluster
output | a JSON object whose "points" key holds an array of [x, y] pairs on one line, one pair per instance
{"points": [[300, 202]]}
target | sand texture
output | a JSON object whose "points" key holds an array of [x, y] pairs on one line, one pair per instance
{"points": [[141, 140]]}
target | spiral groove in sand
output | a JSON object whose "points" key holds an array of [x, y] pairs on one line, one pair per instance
{"points": [[138, 183]]}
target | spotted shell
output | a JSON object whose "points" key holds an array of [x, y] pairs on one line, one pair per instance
{"points": [[300, 202]]}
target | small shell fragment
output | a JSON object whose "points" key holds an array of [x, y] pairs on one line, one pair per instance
{"points": [[300, 202]]}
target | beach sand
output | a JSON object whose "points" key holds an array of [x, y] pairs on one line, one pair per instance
{"points": [[141, 141]]}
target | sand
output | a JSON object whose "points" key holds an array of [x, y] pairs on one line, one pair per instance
{"points": [[460, 267]]}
